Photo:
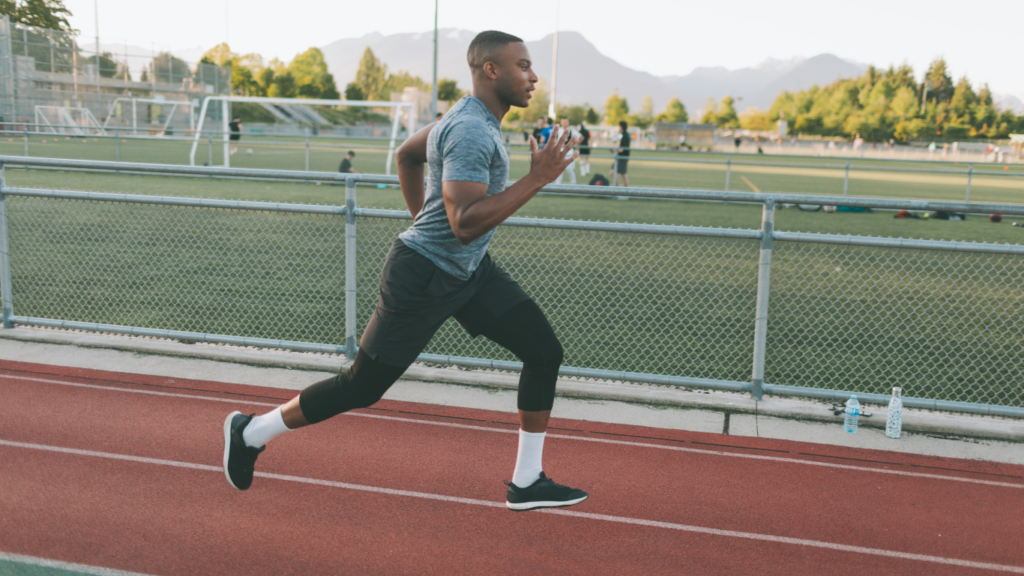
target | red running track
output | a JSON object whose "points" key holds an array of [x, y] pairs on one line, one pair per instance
{"points": [[123, 471]]}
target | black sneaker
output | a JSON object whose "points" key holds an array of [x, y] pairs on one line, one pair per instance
{"points": [[544, 493], [239, 459]]}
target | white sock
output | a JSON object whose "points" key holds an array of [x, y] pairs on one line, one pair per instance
{"points": [[263, 429], [528, 460]]}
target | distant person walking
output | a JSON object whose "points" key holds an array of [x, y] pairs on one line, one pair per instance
{"points": [[622, 156], [538, 132], [572, 153], [546, 132], [235, 127], [584, 146], [346, 164]]}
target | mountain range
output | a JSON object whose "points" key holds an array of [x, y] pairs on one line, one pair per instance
{"points": [[586, 76]]}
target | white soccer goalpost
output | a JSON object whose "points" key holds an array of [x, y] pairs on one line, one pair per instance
{"points": [[66, 120], [225, 102], [155, 101]]}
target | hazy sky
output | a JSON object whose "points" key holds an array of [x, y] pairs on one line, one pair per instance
{"points": [[658, 36]]}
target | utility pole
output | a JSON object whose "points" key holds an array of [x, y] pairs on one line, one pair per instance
{"points": [[554, 62], [433, 89], [226, 30], [924, 95]]}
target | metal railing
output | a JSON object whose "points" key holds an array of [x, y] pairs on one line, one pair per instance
{"points": [[755, 310]]}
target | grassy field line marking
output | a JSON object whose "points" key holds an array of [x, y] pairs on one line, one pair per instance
{"points": [[66, 566], [560, 436], [751, 184], [569, 513]]}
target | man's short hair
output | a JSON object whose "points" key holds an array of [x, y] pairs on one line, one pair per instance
{"points": [[486, 46], [550, 121], [351, 153], [623, 124]]}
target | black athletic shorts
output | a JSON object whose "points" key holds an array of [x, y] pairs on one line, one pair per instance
{"points": [[416, 297], [620, 166], [584, 150]]}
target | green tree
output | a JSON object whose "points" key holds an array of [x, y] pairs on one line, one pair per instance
{"points": [[645, 116], [312, 79], [354, 92], [616, 108], [371, 75], [108, 66], [674, 112], [170, 69], [574, 112], [708, 113], [402, 80], [591, 116], [39, 13], [725, 116], [940, 84], [284, 86], [449, 91]]}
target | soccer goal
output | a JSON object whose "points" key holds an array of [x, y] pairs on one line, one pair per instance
{"points": [[67, 120], [225, 102], [119, 109]]}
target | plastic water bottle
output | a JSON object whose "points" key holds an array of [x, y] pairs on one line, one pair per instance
{"points": [[894, 418], [852, 415]]}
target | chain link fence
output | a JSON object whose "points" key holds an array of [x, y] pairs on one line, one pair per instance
{"points": [[651, 303]]}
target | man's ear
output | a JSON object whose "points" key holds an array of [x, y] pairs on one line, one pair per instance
{"points": [[490, 70]]}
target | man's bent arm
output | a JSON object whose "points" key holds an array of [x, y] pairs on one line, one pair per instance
{"points": [[472, 213], [412, 155]]}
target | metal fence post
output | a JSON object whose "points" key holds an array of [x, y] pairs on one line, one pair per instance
{"points": [[209, 149], [117, 145], [846, 179], [350, 268], [761, 315], [970, 172], [307, 158], [5, 257], [728, 171], [25, 129]]}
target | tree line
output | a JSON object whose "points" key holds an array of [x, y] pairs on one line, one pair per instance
{"points": [[879, 106]]}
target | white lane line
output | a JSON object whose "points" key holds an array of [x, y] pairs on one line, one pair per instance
{"points": [[570, 513], [67, 566], [563, 436]]}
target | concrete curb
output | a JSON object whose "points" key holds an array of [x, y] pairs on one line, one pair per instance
{"points": [[937, 423]]}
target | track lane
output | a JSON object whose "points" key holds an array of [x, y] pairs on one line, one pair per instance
{"points": [[706, 491]]}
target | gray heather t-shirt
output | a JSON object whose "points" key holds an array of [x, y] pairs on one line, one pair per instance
{"points": [[464, 146]]}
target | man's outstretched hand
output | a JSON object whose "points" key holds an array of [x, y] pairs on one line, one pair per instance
{"points": [[548, 162]]}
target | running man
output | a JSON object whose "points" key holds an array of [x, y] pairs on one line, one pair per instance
{"points": [[439, 268]]}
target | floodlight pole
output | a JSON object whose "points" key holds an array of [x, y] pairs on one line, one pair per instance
{"points": [[96, 12], [554, 62], [433, 89]]}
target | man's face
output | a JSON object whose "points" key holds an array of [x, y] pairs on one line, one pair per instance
{"points": [[516, 79], [565, 122]]}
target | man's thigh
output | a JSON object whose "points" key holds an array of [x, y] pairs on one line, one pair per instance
{"points": [[416, 297]]}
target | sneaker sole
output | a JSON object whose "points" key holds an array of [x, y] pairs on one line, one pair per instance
{"points": [[227, 446], [524, 506]]}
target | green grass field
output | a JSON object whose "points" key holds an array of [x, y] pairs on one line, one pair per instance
{"points": [[940, 325], [325, 154]]}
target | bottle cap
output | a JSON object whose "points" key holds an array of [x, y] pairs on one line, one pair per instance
{"points": [[897, 391]]}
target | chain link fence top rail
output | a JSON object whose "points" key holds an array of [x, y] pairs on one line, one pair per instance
{"points": [[944, 323]]}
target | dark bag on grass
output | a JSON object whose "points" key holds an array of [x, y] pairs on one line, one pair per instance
{"points": [[599, 180]]}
